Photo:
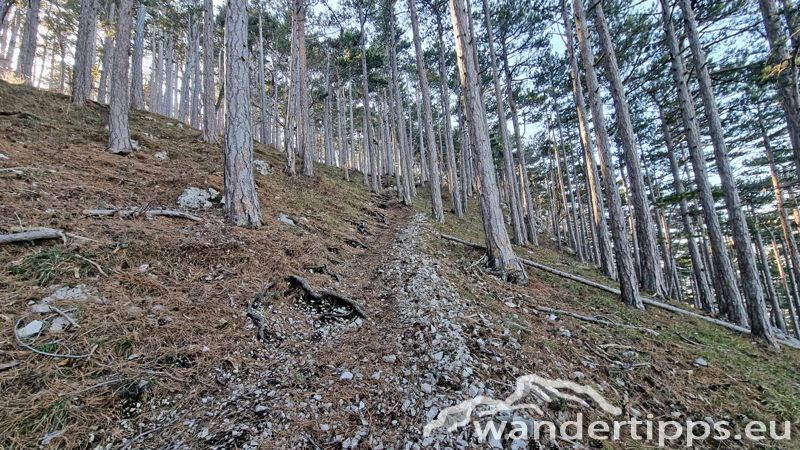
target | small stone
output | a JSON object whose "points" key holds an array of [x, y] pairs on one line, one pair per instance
{"points": [[144, 267], [346, 376], [261, 408], [194, 198], [50, 436], [30, 329], [283, 218], [579, 374], [39, 308], [262, 166], [324, 427], [160, 155], [701, 362], [390, 359], [426, 388], [438, 356], [635, 412], [203, 433]]}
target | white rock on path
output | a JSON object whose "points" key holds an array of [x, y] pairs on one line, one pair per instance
{"points": [[30, 329]]}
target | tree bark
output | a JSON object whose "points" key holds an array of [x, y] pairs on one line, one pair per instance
{"points": [[27, 47], [305, 142], [625, 270], [515, 209], [265, 138], [784, 72], [137, 80], [652, 277], [169, 64], [400, 126], [455, 191], [592, 175], [751, 287], [725, 279], [119, 140], [241, 200], [703, 291], [501, 255], [210, 126], [108, 54], [777, 312], [433, 156]]}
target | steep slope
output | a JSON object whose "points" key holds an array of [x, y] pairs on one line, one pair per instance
{"points": [[165, 308]]}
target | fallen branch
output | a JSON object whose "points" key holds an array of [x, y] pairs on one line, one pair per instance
{"points": [[21, 229], [608, 323], [330, 295], [152, 212], [64, 315], [97, 266], [55, 355], [645, 300], [47, 233], [21, 168]]}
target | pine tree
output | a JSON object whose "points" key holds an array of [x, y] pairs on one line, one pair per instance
{"points": [[241, 200], [210, 127], [119, 131]]}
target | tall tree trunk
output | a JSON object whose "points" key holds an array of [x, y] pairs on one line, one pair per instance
{"points": [[352, 158], [12, 41], [455, 191], [751, 287], [702, 290], [652, 277], [27, 48], [119, 140], [724, 278], [785, 73], [791, 291], [501, 255], [592, 175], [326, 117], [265, 138], [196, 83], [340, 138], [210, 126], [241, 200], [788, 235], [515, 209], [629, 286], [137, 80], [305, 139], [108, 54], [186, 77], [369, 149], [5, 5], [169, 65], [159, 87], [433, 156], [777, 312], [400, 123]]}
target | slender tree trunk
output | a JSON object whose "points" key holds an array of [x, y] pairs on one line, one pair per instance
{"points": [[340, 138], [137, 80], [210, 125], [196, 83], [156, 107], [652, 277], [592, 174], [515, 209], [455, 191], [629, 286], [186, 78], [5, 5], [352, 130], [27, 47], [119, 140], [108, 54], [791, 291], [702, 290], [788, 235], [400, 124], [241, 200], [778, 317], [501, 255], [265, 138], [326, 118], [751, 287], [725, 280], [304, 140], [433, 156], [169, 64], [785, 73], [82, 71]]}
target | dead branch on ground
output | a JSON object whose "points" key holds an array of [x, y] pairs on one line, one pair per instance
{"points": [[326, 294], [27, 236], [134, 212]]}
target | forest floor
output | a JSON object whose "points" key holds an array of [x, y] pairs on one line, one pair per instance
{"points": [[160, 305]]}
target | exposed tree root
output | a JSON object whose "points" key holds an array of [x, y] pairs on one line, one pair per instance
{"points": [[152, 212], [258, 320], [330, 295]]}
